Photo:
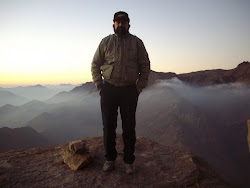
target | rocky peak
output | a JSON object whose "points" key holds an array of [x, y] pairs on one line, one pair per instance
{"points": [[155, 166], [244, 64]]}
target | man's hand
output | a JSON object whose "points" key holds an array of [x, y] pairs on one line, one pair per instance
{"points": [[139, 91], [99, 90]]}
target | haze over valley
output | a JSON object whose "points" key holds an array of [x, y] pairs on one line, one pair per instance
{"points": [[202, 112]]}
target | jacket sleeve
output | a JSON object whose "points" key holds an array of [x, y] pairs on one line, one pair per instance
{"points": [[97, 61], [144, 66]]}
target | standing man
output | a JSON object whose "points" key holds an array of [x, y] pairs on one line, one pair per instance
{"points": [[120, 70]]}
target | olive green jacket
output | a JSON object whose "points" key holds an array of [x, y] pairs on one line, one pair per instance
{"points": [[121, 61]]}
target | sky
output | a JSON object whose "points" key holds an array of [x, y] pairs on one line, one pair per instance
{"points": [[54, 41]]}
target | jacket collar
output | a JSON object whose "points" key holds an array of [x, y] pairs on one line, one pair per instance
{"points": [[123, 36]]}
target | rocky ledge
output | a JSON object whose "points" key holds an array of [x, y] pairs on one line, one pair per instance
{"points": [[155, 166]]}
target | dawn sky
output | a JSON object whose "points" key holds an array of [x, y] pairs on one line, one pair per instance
{"points": [[54, 41]]}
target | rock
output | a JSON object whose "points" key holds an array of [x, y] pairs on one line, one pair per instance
{"points": [[77, 155], [76, 161], [78, 147], [155, 166]]}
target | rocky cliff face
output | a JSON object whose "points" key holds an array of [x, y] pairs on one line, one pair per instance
{"points": [[156, 166]]}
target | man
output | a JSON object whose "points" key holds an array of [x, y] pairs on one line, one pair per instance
{"points": [[120, 70]]}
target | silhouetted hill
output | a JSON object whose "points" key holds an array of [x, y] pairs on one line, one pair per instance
{"points": [[154, 76], [6, 97], [66, 127], [18, 116], [70, 121], [212, 77], [7, 109], [33, 103], [240, 74], [79, 91], [37, 92], [20, 138], [87, 87], [155, 166]]}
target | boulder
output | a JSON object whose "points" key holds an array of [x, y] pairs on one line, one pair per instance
{"points": [[78, 147], [76, 161]]}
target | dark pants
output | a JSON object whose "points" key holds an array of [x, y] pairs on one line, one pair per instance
{"points": [[126, 98]]}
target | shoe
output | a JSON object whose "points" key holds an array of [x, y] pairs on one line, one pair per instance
{"points": [[129, 169], [109, 166]]}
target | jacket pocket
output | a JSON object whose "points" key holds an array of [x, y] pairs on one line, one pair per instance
{"points": [[131, 74], [106, 71]]}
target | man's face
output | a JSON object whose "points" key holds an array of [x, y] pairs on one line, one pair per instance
{"points": [[121, 27]]}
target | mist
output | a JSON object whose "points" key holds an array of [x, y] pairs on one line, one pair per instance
{"points": [[209, 121], [22, 94], [217, 100]]}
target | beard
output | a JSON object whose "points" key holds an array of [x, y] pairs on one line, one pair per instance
{"points": [[120, 31]]}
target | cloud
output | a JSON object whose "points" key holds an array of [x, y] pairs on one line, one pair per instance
{"points": [[217, 100]]}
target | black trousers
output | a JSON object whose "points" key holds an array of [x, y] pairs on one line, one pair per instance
{"points": [[126, 98]]}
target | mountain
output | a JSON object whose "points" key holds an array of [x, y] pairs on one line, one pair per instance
{"points": [[61, 87], [210, 122], [70, 121], [87, 87], [173, 120], [20, 138], [79, 91], [14, 95], [155, 76], [6, 97], [17, 116], [203, 120], [207, 119], [211, 77], [37, 92], [240, 74], [155, 166]]}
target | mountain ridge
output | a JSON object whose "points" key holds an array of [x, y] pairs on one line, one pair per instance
{"points": [[208, 77], [170, 112], [24, 137]]}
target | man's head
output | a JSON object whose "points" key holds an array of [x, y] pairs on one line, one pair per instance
{"points": [[121, 23]]}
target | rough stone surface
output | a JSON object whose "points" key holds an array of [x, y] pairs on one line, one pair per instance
{"points": [[155, 166], [78, 147], [76, 161]]}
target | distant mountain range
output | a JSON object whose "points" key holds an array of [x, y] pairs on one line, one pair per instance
{"points": [[240, 74], [20, 95], [7, 97], [204, 112], [64, 92]]}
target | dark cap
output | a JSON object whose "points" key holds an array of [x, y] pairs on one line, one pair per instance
{"points": [[121, 16]]}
